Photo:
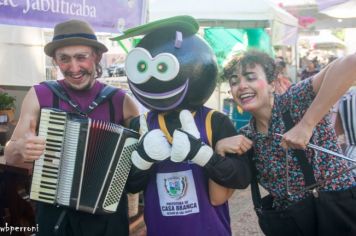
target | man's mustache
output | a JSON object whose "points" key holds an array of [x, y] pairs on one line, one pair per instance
{"points": [[83, 72]]}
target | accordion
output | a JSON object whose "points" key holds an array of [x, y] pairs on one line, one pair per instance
{"points": [[85, 164]]}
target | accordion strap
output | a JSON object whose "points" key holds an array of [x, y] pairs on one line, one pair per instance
{"points": [[59, 221], [106, 93], [306, 167], [255, 190]]}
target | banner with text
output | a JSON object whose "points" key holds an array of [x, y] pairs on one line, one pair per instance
{"points": [[111, 16]]}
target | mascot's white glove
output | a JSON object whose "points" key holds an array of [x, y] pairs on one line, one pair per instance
{"points": [[152, 147], [186, 143]]}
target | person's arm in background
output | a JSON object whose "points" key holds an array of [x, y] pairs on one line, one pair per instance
{"points": [[130, 110], [138, 179], [339, 130], [336, 119], [329, 85], [24, 144]]}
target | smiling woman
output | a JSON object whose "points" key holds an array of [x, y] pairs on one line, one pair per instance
{"points": [[287, 174]]}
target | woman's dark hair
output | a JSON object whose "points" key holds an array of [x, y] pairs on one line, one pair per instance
{"points": [[251, 58]]}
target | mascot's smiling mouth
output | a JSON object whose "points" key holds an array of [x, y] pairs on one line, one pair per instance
{"points": [[173, 97]]}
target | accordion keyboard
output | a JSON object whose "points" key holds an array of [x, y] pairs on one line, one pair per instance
{"points": [[70, 152], [46, 168]]}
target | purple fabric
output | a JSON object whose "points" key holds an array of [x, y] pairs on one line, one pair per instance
{"points": [[105, 16], [210, 221], [83, 99], [111, 224]]}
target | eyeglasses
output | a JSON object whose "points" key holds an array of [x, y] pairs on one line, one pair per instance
{"points": [[66, 59]]}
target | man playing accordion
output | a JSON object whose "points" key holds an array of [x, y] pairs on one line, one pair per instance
{"points": [[77, 53]]}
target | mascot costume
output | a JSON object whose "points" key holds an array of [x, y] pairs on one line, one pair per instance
{"points": [[173, 71]]}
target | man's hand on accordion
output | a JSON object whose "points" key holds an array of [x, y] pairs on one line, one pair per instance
{"points": [[31, 146], [187, 145], [153, 147]]}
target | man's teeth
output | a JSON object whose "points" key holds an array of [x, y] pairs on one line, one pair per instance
{"points": [[77, 76]]}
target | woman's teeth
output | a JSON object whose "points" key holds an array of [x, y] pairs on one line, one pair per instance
{"points": [[247, 95]]}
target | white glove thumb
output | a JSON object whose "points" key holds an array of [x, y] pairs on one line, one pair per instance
{"points": [[143, 125], [153, 147], [188, 124], [156, 145]]}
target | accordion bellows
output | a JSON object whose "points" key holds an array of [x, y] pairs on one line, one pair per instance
{"points": [[86, 162]]}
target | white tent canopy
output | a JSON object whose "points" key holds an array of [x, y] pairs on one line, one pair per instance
{"points": [[235, 13], [343, 10], [231, 14], [325, 40]]}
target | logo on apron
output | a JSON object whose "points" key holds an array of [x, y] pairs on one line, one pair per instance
{"points": [[177, 193], [175, 186]]}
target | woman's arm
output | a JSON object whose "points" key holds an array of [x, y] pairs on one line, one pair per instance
{"points": [[219, 194], [329, 85], [235, 144]]}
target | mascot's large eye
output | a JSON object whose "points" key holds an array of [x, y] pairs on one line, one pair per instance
{"points": [[137, 65], [162, 67], [140, 66], [167, 67]]}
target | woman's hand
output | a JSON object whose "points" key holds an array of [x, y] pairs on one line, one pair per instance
{"points": [[236, 144], [298, 137]]}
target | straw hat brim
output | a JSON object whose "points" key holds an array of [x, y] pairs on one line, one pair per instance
{"points": [[52, 46]]}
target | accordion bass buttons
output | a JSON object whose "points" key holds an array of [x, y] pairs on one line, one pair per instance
{"points": [[120, 176]]}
